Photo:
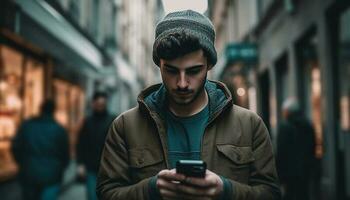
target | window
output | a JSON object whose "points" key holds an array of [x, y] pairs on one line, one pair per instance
{"points": [[310, 85]]}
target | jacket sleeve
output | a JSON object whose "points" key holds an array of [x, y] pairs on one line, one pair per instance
{"points": [[114, 180], [263, 181]]}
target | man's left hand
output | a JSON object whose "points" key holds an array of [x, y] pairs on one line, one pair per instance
{"points": [[210, 187]]}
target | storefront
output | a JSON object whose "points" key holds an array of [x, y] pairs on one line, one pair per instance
{"points": [[238, 73], [310, 84], [26, 79], [42, 55], [70, 107], [21, 93], [339, 23]]}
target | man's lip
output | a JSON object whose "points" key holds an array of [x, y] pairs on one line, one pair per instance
{"points": [[183, 93]]}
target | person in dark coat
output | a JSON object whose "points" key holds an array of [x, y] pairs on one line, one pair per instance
{"points": [[41, 150], [295, 152], [91, 141]]}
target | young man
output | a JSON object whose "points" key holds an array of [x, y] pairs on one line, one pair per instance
{"points": [[187, 117]]}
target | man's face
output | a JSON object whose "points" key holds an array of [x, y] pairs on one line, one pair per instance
{"points": [[99, 104], [184, 77]]}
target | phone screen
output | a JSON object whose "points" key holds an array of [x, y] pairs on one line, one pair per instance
{"points": [[191, 168]]}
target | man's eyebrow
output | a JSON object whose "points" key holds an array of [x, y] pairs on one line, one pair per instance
{"points": [[195, 67], [190, 68], [170, 66]]}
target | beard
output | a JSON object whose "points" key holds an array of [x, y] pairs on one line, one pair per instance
{"points": [[184, 97]]}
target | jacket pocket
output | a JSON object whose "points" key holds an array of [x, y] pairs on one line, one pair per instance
{"points": [[240, 156], [144, 163], [143, 157]]}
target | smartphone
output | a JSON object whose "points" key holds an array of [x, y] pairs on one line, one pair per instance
{"points": [[191, 168]]}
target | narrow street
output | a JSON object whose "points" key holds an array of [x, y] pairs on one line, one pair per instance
{"points": [[80, 65]]}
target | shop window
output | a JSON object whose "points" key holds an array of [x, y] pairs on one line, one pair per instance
{"points": [[21, 93], [10, 106], [33, 88], [344, 72], [10, 91], [235, 79], [341, 38], [69, 103], [61, 98], [70, 106], [310, 85]]}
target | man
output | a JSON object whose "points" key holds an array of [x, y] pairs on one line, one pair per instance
{"points": [[41, 150], [91, 140], [295, 152], [187, 117]]}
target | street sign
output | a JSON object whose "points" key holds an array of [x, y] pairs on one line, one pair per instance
{"points": [[241, 52]]}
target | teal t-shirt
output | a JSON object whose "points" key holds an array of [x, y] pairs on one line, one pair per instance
{"points": [[185, 136]]}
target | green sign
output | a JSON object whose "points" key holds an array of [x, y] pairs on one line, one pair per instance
{"points": [[241, 52]]}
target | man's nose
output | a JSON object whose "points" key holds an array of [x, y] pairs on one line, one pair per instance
{"points": [[182, 81]]}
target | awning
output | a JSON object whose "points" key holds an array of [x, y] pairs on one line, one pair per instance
{"points": [[55, 24]]}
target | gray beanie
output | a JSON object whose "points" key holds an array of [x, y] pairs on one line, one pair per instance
{"points": [[195, 23]]}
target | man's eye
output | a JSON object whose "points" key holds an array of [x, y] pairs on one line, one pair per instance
{"points": [[171, 71], [193, 72]]}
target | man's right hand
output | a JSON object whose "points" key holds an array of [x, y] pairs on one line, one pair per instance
{"points": [[170, 186]]}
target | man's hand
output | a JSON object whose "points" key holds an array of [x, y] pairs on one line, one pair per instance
{"points": [[81, 173], [174, 186]]}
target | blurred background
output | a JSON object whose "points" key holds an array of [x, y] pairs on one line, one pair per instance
{"points": [[268, 50]]}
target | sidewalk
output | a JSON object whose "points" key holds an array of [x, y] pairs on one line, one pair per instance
{"points": [[71, 190]]}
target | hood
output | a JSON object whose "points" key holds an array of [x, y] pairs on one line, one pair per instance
{"points": [[154, 98]]}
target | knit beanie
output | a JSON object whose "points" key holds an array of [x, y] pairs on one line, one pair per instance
{"points": [[194, 23]]}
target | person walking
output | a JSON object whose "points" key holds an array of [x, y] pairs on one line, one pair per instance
{"points": [[295, 152], [91, 140], [41, 149]]}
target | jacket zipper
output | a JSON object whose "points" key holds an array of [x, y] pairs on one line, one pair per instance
{"points": [[215, 115]]}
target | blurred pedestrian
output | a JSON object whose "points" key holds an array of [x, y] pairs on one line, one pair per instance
{"points": [[295, 152], [41, 150], [91, 141], [187, 117]]}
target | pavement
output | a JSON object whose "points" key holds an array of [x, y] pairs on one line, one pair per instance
{"points": [[71, 190]]}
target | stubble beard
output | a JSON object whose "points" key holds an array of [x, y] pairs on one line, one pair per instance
{"points": [[187, 102]]}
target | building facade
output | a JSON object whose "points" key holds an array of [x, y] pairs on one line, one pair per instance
{"points": [[302, 51], [137, 20], [63, 50]]}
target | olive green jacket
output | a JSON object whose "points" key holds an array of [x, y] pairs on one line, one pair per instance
{"points": [[236, 145]]}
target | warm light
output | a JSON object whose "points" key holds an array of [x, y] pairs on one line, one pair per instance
{"points": [[241, 92], [344, 112], [177, 5], [316, 81], [3, 85], [13, 102], [7, 127]]}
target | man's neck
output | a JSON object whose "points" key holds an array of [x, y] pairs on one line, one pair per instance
{"points": [[192, 108]]}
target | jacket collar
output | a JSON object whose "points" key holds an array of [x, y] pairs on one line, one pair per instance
{"points": [[154, 99]]}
